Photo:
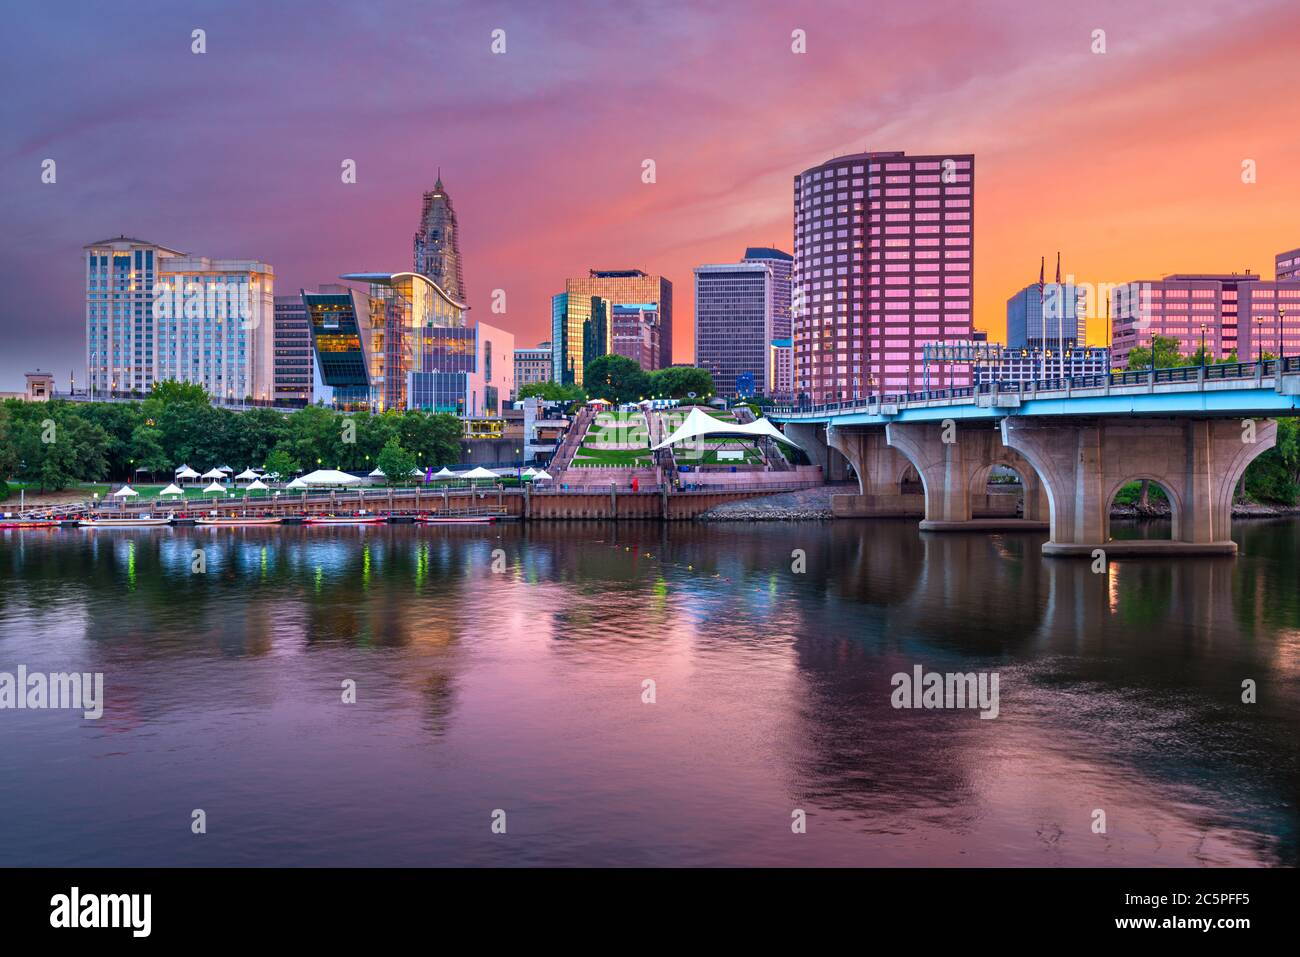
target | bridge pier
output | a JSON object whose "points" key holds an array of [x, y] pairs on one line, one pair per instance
{"points": [[811, 437], [880, 470], [954, 463], [1085, 462]]}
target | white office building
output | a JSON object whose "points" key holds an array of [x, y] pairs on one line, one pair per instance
{"points": [[155, 313]]}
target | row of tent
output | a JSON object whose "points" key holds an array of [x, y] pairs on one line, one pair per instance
{"points": [[321, 478]]}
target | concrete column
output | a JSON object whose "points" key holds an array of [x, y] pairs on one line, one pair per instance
{"points": [[954, 463], [880, 470], [1084, 464], [811, 437]]}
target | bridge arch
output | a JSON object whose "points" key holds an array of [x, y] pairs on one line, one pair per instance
{"points": [[1165, 483]]}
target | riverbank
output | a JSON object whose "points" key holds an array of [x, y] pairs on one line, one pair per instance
{"points": [[814, 505]]}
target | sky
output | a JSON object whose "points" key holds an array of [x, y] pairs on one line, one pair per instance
{"points": [[1127, 162]]}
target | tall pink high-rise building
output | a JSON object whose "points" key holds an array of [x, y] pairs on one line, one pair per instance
{"points": [[883, 259]]}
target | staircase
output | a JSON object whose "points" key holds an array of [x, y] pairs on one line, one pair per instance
{"points": [[563, 457]]}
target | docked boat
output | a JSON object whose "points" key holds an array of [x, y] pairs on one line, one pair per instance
{"points": [[30, 523], [344, 520], [232, 521], [457, 519], [141, 521]]}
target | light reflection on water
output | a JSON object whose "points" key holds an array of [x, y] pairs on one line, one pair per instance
{"points": [[523, 691]]}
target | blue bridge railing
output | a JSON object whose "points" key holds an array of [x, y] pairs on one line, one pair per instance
{"points": [[1196, 374]]}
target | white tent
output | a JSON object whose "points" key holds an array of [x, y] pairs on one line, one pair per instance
{"points": [[186, 473], [378, 473], [246, 476], [480, 473], [297, 483], [215, 474], [257, 485], [225, 468], [328, 477], [214, 487], [445, 473], [182, 468], [171, 490], [417, 472], [124, 492], [700, 423], [529, 472], [542, 476]]}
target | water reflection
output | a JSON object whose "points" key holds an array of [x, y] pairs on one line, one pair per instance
{"points": [[504, 667]]}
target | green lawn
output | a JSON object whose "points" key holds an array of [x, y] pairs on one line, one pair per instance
{"points": [[612, 457]]}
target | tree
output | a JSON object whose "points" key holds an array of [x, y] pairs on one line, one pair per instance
{"points": [[281, 461], [615, 378], [170, 391], [678, 382], [316, 436], [433, 438], [1275, 475], [553, 392], [395, 462], [147, 449], [1166, 353], [8, 446]]}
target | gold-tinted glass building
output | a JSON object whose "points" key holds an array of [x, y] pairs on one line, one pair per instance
{"points": [[578, 321]]}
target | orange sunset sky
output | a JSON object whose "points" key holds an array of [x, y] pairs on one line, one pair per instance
{"points": [[1129, 162]]}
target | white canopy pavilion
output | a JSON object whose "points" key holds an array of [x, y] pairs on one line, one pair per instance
{"points": [[248, 475], [215, 474], [480, 473], [186, 474], [214, 487], [328, 477], [700, 423], [257, 485], [297, 483], [445, 473], [125, 492], [171, 490]]}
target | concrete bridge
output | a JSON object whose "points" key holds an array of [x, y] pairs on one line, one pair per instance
{"points": [[1074, 443]]}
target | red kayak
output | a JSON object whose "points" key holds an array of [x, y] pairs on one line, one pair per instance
{"points": [[344, 520]]}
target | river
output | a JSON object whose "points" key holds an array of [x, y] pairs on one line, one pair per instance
{"points": [[505, 674]]}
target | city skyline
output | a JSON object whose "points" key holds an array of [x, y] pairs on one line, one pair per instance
{"points": [[1049, 121]]}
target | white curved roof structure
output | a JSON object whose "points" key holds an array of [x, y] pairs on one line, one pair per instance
{"points": [[700, 423]]}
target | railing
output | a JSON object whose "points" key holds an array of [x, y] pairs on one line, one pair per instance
{"points": [[1197, 374], [119, 395]]}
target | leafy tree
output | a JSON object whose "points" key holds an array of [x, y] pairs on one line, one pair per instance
{"points": [[8, 446], [171, 391], [553, 392], [147, 449], [1166, 354], [281, 461], [254, 434], [119, 420], [395, 462], [677, 382], [1275, 475], [433, 438], [316, 436], [615, 378]]}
